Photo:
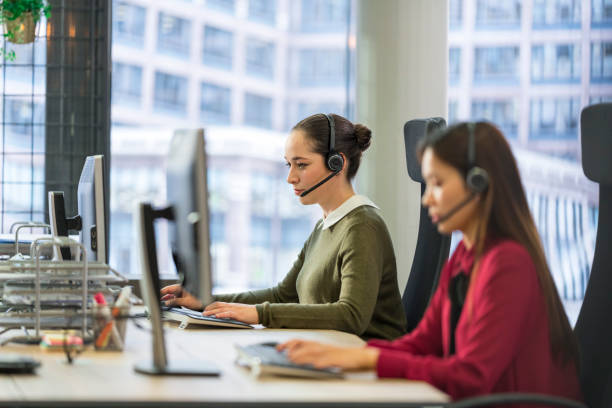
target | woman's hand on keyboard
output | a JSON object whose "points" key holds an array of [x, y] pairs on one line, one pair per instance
{"points": [[237, 311], [176, 296], [323, 355]]}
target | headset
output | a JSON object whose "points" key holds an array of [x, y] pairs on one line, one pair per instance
{"points": [[333, 160], [476, 178]]}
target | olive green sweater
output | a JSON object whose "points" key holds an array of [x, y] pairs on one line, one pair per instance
{"points": [[344, 279]]}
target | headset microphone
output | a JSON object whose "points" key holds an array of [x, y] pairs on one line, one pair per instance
{"points": [[334, 160], [456, 208], [319, 184]]}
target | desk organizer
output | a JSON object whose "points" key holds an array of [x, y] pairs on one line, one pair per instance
{"points": [[49, 294]]}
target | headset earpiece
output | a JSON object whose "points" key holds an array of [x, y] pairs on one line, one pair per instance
{"points": [[477, 178], [334, 160]]}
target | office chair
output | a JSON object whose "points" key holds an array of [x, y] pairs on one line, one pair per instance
{"points": [[593, 329], [432, 248]]}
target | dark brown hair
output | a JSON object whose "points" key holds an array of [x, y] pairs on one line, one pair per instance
{"points": [[505, 214], [351, 139]]}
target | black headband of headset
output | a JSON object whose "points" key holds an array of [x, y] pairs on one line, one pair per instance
{"points": [[332, 132]]}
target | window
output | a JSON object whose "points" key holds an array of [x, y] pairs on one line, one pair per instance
{"points": [[454, 65], [294, 232], [498, 14], [455, 10], [321, 67], [215, 104], [170, 93], [501, 112], [601, 15], [260, 58], [554, 118], [324, 15], [555, 63], [218, 47], [453, 107], [257, 110], [173, 35], [232, 88], [601, 62], [226, 6], [128, 23], [496, 65], [263, 11], [556, 13], [127, 84]]}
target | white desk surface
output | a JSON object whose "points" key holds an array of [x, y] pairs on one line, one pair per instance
{"points": [[108, 378]]}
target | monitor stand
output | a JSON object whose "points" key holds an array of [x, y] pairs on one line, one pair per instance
{"points": [[149, 283]]}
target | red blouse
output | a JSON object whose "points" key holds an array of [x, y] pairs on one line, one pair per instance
{"points": [[502, 346]]}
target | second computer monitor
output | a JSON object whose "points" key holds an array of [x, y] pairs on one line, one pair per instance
{"points": [[91, 205], [91, 220], [187, 194]]}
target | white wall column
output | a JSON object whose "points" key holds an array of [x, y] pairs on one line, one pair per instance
{"points": [[402, 64]]}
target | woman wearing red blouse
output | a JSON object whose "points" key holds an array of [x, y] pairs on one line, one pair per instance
{"points": [[495, 322]]}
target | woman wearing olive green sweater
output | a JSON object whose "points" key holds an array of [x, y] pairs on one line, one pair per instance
{"points": [[345, 276]]}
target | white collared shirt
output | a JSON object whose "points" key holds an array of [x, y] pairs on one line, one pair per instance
{"points": [[345, 208]]}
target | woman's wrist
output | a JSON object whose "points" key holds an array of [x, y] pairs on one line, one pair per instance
{"points": [[370, 357]]}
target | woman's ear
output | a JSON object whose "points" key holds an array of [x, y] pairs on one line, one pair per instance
{"points": [[344, 161]]}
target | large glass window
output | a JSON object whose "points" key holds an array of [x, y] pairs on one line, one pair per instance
{"points": [[499, 14], [601, 15], [215, 104], [455, 11], [556, 13], [263, 11], [127, 84], [554, 118], [324, 15], [454, 65], [257, 224], [170, 95], [496, 65], [128, 23], [218, 47], [501, 112], [555, 62], [321, 67], [260, 58], [173, 35], [257, 110], [227, 6], [601, 62]]}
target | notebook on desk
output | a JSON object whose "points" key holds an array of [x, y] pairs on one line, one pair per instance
{"points": [[188, 317]]}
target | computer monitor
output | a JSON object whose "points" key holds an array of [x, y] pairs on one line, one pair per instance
{"points": [[92, 209], [92, 220], [189, 238]]}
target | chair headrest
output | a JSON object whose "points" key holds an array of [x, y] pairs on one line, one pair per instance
{"points": [[414, 131], [596, 137]]}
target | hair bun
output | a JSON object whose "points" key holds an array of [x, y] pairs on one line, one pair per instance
{"points": [[363, 135]]}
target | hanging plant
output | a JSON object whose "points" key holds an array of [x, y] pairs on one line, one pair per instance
{"points": [[20, 18]]}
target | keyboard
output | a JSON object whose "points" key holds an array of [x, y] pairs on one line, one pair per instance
{"points": [[264, 359], [193, 317]]}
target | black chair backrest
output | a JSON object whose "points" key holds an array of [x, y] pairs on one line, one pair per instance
{"points": [[594, 326], [432, 248]]}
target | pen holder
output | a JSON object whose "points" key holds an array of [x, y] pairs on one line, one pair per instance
{"points": [[109, 328]]}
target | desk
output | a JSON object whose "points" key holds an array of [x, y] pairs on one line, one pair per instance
{"points": [[108, 378]]}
